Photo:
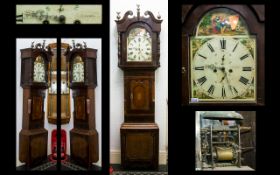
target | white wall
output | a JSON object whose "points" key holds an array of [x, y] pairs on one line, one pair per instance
{"points": [[26, 43], [116, 75]]}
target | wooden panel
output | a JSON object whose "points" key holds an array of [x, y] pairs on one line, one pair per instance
{"points": [[139, 146], [65, 106], [79, 147], [37, 107], [52, 106], [248, 139], [38, 147], [140, 96], [80, 108]]}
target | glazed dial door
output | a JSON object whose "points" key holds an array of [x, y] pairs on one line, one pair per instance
{"points": [[224, 69], [39, 70], [78, 70], [139, 46]]}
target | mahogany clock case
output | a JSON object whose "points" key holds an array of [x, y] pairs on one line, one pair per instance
{"points": [[84, 133], [141, 57]]}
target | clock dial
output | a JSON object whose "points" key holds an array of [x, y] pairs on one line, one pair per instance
{"points": [[59, 14], [139, 45], [39, 70], [78, 70], [223, 68]]}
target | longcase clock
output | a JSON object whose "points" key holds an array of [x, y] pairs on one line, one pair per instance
{"points": [[138, 57], [33, 138], [83, 80], [223, 54]]}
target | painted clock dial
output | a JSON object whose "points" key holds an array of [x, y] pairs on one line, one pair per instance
{"points": [[78, 70], [224, 68], [39, 70], [139, 45], [222, 59]]}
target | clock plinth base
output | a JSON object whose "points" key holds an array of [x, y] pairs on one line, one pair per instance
{"points": [[33, 146], [84, 146], [139, 145]]}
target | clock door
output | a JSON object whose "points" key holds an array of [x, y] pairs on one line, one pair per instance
{"points": [[139, 103], [223, 54]]}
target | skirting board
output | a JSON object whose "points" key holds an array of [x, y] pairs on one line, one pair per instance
{"points": [[115, 157]]}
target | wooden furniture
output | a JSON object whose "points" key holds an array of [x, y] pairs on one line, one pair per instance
{"points": [[33, 138], [83, 80], [65, 91], [138, 55], [223, 60]]}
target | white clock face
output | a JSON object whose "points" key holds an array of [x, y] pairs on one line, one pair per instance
{"points": [[58, 14], [78, 71], [139, 45], [224, 69], [39, 70]]}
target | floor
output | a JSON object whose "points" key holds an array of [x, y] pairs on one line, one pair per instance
{"points": [[230, 168], [118, 170], [65, 165]]}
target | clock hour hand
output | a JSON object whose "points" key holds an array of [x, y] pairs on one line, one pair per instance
{"points": [[223, 59]]}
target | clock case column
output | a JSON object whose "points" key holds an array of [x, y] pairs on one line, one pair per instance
{"points": [[84, 137], [33, 138]]}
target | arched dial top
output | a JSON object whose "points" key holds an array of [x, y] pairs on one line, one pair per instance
{"points": [[222, 21]]}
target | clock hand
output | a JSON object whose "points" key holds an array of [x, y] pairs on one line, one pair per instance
{"points": [[60, 8], [223, 59]]}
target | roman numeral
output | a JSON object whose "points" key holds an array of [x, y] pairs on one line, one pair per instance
{"points": [[202, 56], [19, 18], [199, 68], [235, 90], [247, 69], [235, 47], [202, 80], [223, 92], [210, 47], [211, 89], [244, 56], [223, 43], [244, 80]]}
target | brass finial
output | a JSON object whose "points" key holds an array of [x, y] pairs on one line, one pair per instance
{"points": [[138, 11], [118, 16], [85, 44], [44, 42], [73, 43], [158, 16]]}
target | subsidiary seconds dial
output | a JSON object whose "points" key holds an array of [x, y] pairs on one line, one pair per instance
{"points": [[223, 68]]}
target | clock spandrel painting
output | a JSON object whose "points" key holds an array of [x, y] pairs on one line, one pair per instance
{"points": [[59, 14], [222, 59]]}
